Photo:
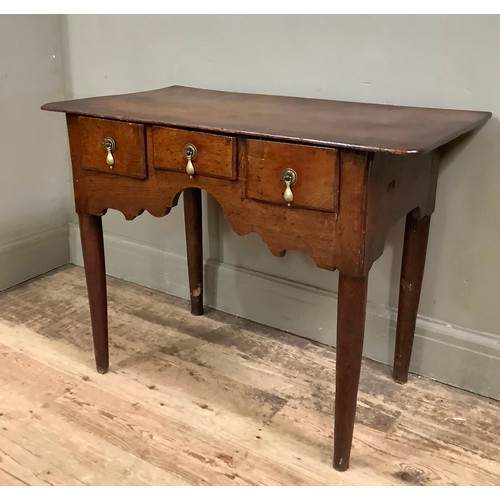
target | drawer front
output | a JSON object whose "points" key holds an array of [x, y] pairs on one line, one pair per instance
{"points": [[317, 170], [215, 154], [128, 155]]}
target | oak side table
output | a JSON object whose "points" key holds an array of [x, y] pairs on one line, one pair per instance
{"points": [[326, 178]]}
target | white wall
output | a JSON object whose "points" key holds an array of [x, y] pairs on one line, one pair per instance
{"points": [[34, 173], [442, 61]]}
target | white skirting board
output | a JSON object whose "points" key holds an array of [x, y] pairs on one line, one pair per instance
{"points": [[447, 353], [33, 255]]}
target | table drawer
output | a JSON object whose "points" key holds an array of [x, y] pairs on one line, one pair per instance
{"points": [[317, 179], [215, 154], [128, 155]]}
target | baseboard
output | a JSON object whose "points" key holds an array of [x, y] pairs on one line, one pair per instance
{"points": [[137, 263], [33, 255], [455, 356]]}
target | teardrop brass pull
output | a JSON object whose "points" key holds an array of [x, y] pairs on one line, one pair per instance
{"points": [[190, 168], [288, 194], [109, 144], [189, 151], [289, 178]]}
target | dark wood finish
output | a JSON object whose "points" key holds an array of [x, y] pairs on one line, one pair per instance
{"points": [[412, 272], [130, 149], [350, 223], [361, 126], [95, 273], [351, 309], [194, 247], [331, 240], [397, 185], [216, 154], [317, 174], [351, 190]]}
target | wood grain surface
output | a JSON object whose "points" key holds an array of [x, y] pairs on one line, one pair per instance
{"points": [[369, 127], [130, 147], [317, 172], [212, 399], [216, 154]]}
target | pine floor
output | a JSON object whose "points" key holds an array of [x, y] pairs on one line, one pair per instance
{"points": [[211, 400]]}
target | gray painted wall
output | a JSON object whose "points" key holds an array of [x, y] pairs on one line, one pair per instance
{"points": [[34, 174], [442, 61]]}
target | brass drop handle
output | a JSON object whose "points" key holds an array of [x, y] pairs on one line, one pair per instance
{"points": [[110, 145], [189, 151], [288, 178]]}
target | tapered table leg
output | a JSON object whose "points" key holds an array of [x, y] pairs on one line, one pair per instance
{"points": [[412, 271], [194, 247], [351, 311], [95, 273]]}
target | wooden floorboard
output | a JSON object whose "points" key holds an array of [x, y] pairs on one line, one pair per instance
{"points": [[210, 400]]}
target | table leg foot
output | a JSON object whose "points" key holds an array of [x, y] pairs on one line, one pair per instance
{"points": [[351, 311], [412, 271], [194, 247], [95, 274]]}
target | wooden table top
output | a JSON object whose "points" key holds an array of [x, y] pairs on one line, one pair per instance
{"points": [[361, 126]]}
